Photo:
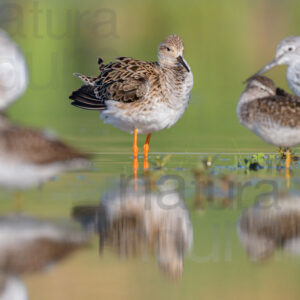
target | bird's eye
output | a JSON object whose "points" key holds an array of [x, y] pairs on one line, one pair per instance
{"points": [[168, 49], [290, 49]]}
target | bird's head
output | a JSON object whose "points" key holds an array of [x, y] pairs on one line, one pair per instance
{"points": [[288, 52], [261, 87], [170, 52]]}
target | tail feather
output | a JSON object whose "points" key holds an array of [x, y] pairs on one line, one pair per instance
{"points": [[87, 80], [85, 106], [85, 98], [87, 101]]}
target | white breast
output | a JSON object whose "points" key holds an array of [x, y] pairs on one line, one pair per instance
{"points": [[293, 78], [179, 102]]}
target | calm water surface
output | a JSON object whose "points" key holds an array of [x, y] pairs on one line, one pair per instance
{"points": [[194, 226]]}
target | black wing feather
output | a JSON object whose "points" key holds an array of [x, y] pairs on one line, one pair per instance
{"points": [[85, 98]]}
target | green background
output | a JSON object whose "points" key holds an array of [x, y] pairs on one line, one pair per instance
{"points": [[225, 42]]}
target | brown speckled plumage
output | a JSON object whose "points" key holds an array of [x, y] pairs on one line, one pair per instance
{"points": [[34, 147], [281, 110], [130, 80], [127, 80]]}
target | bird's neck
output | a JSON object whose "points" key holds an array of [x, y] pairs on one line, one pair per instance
{"points": [[293, 77], [175, 80], [294, 67]]}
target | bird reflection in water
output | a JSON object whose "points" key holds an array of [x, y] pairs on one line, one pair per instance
{"points": [[269, 226], [147, 220], [29, 245]]}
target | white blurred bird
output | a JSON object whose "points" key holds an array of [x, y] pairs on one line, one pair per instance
{"points": [[13, 71]]}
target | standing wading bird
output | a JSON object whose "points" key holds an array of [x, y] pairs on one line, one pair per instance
{"points": [[288, 53], [271, 113], [138, 96], [28, 157]]}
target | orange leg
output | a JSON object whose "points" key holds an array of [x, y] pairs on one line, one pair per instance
{"points": [[146, 145], [146, 151], [287, 166], [135, 148], [135, 163]]}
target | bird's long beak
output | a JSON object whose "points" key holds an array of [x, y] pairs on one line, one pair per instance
{"points": [[266, 68], [182, 62]]}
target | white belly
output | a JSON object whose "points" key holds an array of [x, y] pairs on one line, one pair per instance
{"points": [[153, 117], [279, 136]]}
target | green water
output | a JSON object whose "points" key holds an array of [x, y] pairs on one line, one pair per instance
{"points": [[218, 264]]}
